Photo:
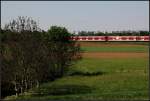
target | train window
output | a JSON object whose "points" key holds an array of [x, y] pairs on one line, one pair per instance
{"points": [[146, 38], [89, 38], [123, 38], [83, 38], [130, 38], [109, 38], [139, 38], [96, 38]]}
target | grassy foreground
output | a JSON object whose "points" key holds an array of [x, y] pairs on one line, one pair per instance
{"points": [[99, 79]]}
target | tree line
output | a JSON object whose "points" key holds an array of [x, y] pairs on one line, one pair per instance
{"points": [[113, 33], [30, 56]]}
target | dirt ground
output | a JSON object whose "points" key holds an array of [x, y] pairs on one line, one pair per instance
{"points": [[114, 55], [98, 44]]}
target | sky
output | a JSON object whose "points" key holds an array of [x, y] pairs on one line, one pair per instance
{"points": [[81, 15]]}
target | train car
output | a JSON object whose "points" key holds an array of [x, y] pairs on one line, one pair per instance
{"points": [[89, 38], [143, 38], [121, 38]]}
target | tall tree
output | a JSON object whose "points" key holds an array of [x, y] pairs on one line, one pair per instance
{"points": [[22, 48], [63, 52]]}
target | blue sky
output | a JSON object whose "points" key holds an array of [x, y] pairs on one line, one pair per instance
{"points": [[81, 15]]}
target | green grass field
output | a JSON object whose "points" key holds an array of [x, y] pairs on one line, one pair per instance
{"points": [[116, 49], [99, 79]]}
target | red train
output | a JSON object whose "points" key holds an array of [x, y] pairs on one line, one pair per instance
{"points": [[111, 38]]}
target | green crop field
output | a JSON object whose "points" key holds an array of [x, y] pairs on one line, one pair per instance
{"points": [[115, 49], [123, 78]]}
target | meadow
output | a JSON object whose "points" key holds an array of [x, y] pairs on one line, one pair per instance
{"points": [[107, 71]]}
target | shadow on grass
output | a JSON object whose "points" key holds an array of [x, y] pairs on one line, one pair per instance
{"points": [[86, 73], [62, 90]]}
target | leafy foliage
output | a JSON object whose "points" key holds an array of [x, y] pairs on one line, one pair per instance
{"points": [[64, 52], [30, 57]]}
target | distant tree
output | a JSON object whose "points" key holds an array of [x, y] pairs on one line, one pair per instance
{"points": [[86, 33], [99, 33], [144, 33], [91, 33], [82, 33]]}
